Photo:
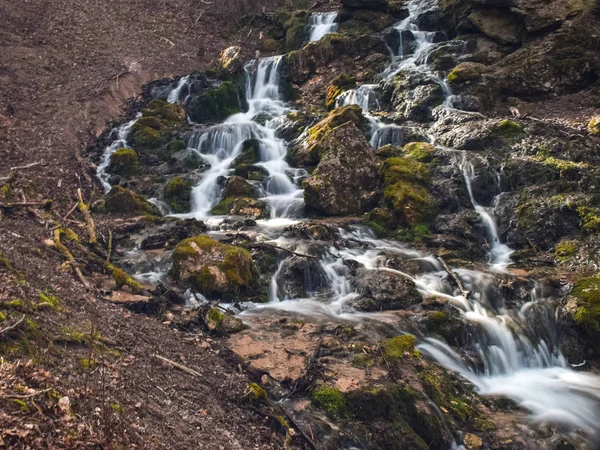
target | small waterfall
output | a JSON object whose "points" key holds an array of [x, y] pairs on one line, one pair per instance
{"points": [[121, 141], [175, 94], [222, 143], [321, 24], [499, 254]]}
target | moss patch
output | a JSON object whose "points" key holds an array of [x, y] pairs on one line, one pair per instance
{"points": [[124, 162], [241, 206], [122, 200], [565, 250], [331, 400], [421, 151], [466, 73], [216, 104], [594, 126], [122, 279], [395, 348], [587, 294], [340, 84], [178, 194]]}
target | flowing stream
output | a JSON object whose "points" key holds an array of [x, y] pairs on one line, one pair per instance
{"points": [[320, 24], [516, 360]]}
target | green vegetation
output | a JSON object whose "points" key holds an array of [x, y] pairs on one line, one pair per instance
{"points": [[466, 72], [590, 218], [147, 137], [241, 206], [177, 194], [594, 126], [295, 30], [331, 400], [587, 294], [565, 250], [122, 279], [217, 103], [122, 200], [124, 162], [362, 361], [395, 348], [509, 128], [339, 85], [257, 392], [421, 151]]}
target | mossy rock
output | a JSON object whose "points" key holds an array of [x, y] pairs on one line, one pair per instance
{"points": [[421, 151], [362, 361], [148, 121], [241, 206], [587, 295], [594, 126], [296, 31], [217, 103], [565, 250], [212, 267], [331, 400], [257, 392], [178, 194], [251, 172], [168, 113], [122, 200], [397, 347], [124, 162], [146, 137], [122, 279], [340, 84], [249, 153], [238, 187], [466, 73], [509, 128], [389, 151]]}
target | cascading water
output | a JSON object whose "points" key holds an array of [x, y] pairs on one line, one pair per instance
{"points": [[175, 94], [121, 141], [220, 144], [321, 24]]}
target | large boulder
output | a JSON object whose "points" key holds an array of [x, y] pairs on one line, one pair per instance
{"points": [[346, 180], [122, 200], [231, 59], [217, 103], [213, 268], [300, 277], [501, 26], [382, 290], [178, 194]]}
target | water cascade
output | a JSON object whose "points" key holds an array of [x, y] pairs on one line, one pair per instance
{"points": [[176, 93], [320, 24]]}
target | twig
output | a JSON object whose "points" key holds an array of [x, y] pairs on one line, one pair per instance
{"points": [[179, 366], [27, 395], [28, 166], [15, 204], [259, 245], [14, 325], [110, 243], [70, 259], [88, 218], [71, 211], [465, 293]]}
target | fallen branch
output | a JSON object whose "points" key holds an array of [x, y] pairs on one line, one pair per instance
{"points": [[27, 395], [88, 218], [179, 366], [70, 259], [260, 245], [28, 166], [16, 204], [71, 211], [461, 287], [110, 244], [14, 325]]}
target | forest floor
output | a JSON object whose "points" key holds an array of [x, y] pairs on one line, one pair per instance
{"points": [[67, 69]]}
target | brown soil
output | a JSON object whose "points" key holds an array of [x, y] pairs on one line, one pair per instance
{"points": [[67, 69]]}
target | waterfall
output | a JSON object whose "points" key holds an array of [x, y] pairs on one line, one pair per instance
{"points": [[175, 94], [320, 24], [499, 254], [121, 141], [221, 143]]}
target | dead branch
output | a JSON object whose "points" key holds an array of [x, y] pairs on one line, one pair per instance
{"points": [[88, 219], [179, 366], [27, 395], [461, 287], [110, 244], [261, 245], [14, 325], [16, 204], [70, 259], [71, 211], [28, 166]]}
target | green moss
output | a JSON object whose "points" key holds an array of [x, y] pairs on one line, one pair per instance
{"points": [[124, 162], [257, 392], [214, 317], [87, 363], [296, 30], [590, 218], [395, 348], [2, 317], [216, 104], [176, 146], [389, 151], [466, 73], [421, 151], [362, 361], [339, 85], [178, 194], [19, 305], [19, 403], [147, 137], [122, 200], [168, 113], [148, 121], [48, 301], [565, 250], [413, 234], [122, 279], [6, 192], [331, 400], [484, 425], [594, 126], [337, 117], [509, 128], [241, 206], [587, 294]]}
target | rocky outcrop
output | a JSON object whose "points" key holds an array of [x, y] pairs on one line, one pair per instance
{"points": [[500, 26], [123, 201], [217, 103], [300, 277], [346, 181], [382, 291]]}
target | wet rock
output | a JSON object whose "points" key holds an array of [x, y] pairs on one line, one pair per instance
{"points": [[238, 187], [382, 291], [466, 72], [310, 230], [178, 194], [216, 104], [466, 224], [485, 51], [501, 26], [222, 323], [213, 268], [346, 179], [242, 206], [122, 200], [231, 59], [124, 162], [340, 84], [296, 31], [300, 277], [173, 232]]}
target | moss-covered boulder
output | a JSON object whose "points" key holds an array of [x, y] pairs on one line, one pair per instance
{"points": [[217, 103], [249, 153], [238, 187], [346, 181], [586, 293], [219, 322], [389, 151], [296, 30], [421, 151], [213, 268], [466, 73], [308, 153], [123, 201], [124, 162], [594, 126], [398, 347], [340, 84], [178, 194], [331, 400], [147, 137], [167, 113], [241, 206], [231, 59]]}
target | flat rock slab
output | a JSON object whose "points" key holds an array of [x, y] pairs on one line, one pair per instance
{"points": [[124, 297]]}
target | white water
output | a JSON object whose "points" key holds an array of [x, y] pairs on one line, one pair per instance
{"points": [[220, 144], [321, 24], [121, 141], [175, 94]]}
